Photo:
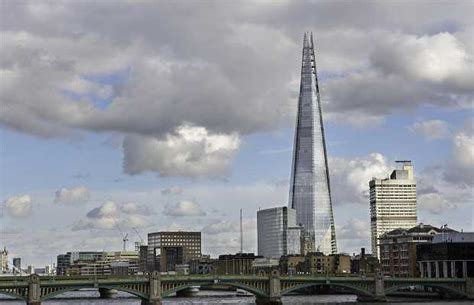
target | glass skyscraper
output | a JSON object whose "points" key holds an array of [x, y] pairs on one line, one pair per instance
{"points": [[310, 193]]}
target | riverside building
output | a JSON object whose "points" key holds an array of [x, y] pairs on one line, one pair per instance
{"points": [[392, 203]]}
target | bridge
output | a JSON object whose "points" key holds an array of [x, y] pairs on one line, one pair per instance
{"points": [[268, 289]]}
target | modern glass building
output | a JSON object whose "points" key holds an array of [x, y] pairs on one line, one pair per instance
{"points": [[310, 193], [275, 232]]}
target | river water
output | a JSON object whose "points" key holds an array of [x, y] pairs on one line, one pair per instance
{"points": [[213, 297]]}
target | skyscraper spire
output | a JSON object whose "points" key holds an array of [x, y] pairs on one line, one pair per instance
{"points": [[310, 193]]}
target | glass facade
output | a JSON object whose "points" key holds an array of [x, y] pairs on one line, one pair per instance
{"points": [[310, 192], [272, 231]]}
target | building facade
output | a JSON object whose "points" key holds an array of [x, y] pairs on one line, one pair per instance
{"points": [[277, 234], [167, 249], [450, 255], [4, 261], [310, 193], [240, 263], [364, 264], [392, 203], [398, 249]]}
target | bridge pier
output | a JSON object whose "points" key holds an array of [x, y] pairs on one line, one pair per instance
{"points": [[470, 288], [154, 297], [34, 290], [274, 291]]}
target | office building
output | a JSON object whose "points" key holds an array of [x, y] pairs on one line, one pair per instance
{"points": [[277, 233], [398, 249], [293, 264], [450, 255], [167, 249], [17, 265], [392, 203], [310, 192], [97, 263]]}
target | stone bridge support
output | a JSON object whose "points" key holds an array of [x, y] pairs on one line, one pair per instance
{"points": [[154, 297], [274, 291], [34, 290], [470, 288]]}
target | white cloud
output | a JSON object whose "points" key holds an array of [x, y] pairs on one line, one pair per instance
{"points": [[18, 206], [460, 169], [431, 130], [219, 227], [174, 190], [135, 209], [354, 229], [73, 195], [189, 151], [350, 178], [183, 208], [435, 203]]}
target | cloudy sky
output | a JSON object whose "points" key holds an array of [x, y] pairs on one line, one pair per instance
{"points": [[159, 115]]}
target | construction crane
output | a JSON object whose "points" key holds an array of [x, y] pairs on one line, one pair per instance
{"points": [[124, 236], [141, 242]]}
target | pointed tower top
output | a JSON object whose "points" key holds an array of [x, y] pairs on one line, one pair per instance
{"points": [[306, 40]]}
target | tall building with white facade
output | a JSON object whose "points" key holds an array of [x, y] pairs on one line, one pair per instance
{"points": [[392, 203], [277, 233], [310, 192]]}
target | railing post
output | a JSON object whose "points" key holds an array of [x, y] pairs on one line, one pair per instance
{"points": [[154, 297], [34, 290], [274, 290]]}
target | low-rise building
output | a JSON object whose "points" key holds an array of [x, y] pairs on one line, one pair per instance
{"points": [[450, 255], [240, 263], [293, 264], [398, 249], [364, 264], [203, 265]]}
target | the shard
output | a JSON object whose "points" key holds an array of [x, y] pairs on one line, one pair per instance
{"points": [[310, 193]]}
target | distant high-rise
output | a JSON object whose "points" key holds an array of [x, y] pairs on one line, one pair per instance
{"points": [[310, 193], [392, 203], [277, 234]]}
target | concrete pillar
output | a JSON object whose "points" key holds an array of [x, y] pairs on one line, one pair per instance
{"points": [[34, 290], [428, 268], [470, 288], [154, 298], [274, 292], [464, 269], [380, 288], [436, 269], [422, 269], [445, 269], [453, 269]]}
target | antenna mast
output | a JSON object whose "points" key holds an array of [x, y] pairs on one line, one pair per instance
{"points": [[241, 234]]}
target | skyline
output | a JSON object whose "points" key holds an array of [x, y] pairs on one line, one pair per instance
{"points": [[86, 102]]}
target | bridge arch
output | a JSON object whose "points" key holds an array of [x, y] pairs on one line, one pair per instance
{"points": [[357, 290], [255, 291], [53, 294], [445, 288], [13, 295]]}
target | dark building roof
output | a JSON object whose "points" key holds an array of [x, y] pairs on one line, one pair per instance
{"points": [[420, 228]]}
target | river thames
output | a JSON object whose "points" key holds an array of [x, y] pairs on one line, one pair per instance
{"points": [[211, 297]]}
